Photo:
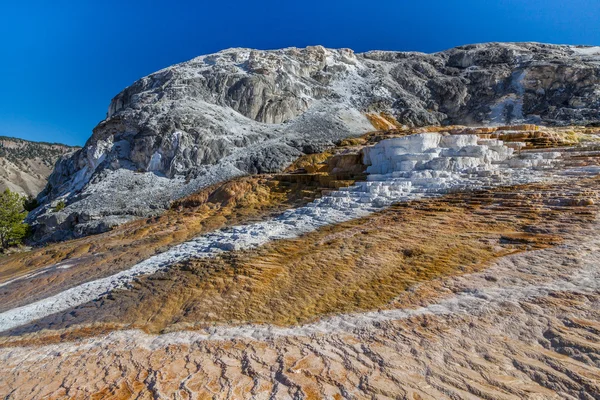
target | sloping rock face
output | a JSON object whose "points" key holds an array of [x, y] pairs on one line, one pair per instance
{"points": [[244, 111], [25, 166]]}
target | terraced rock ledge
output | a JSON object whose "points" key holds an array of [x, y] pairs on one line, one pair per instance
{"points": [[422, 264]]}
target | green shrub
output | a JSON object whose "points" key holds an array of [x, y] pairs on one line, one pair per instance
{"points": [[60, 206], [12, 214]]}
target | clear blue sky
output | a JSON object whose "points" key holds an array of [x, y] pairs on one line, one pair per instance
{"points": [[62, 61]]}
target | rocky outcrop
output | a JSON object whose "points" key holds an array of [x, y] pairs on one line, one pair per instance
{"points": [[25, 166], [244, 111]]}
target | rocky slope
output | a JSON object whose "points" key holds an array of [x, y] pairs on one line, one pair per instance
{"points": [[25, 166], [244, 111]]}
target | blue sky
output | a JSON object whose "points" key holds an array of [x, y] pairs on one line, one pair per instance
{"points": [[62, 61]]}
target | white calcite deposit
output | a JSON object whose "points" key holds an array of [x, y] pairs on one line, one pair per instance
{"points": [[400, 169], [413, 166], [246, 111]]}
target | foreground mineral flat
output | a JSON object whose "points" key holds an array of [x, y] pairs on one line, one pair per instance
{"points": [[460, 268], [525, 327]]}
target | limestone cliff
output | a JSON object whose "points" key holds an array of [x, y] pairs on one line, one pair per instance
{"points": [[244, 111]]}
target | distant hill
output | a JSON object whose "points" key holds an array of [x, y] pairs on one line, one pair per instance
{"points": [[25, 166]]}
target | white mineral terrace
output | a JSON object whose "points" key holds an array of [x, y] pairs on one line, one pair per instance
{"points": [[518, 277], [400, 169]]}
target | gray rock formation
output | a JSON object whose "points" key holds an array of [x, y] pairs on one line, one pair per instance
{"points": [[244, 111]]}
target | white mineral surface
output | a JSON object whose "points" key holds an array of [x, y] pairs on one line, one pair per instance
{"points": [[245, 111]]}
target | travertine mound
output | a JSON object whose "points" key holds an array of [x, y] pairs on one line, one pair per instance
{"points": [[244, 111], [469, 286], [400, 169]]}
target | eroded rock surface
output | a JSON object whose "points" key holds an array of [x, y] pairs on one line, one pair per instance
{"points": [[244, 111]]}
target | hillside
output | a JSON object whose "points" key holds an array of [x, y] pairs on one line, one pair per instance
{"points": [[25, 166]]}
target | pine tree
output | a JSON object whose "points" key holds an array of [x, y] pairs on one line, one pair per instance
{"points": [[12, 228]]}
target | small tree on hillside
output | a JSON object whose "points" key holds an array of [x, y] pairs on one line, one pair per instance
{"points": [[12, 228]]}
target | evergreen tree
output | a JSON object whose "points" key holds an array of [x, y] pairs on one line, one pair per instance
{"points": [[12, 228]]}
